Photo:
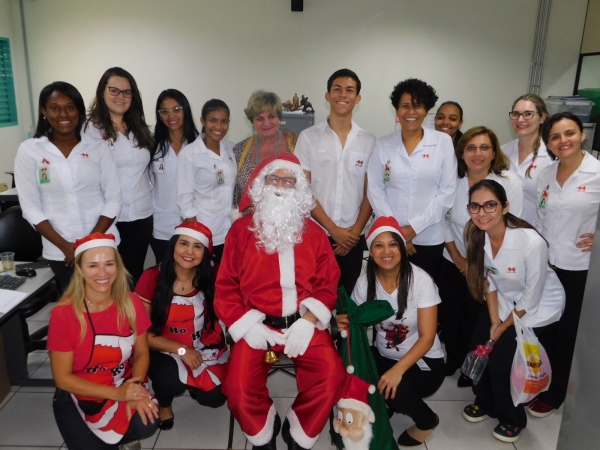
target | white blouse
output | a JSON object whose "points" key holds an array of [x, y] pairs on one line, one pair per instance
{"points": [[164, 195]]}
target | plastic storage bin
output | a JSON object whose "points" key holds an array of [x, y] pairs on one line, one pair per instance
{"points": [[580, 106], [593, 95]]}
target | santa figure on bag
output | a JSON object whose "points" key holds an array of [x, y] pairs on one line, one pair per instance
{"points": [[275, 290]]}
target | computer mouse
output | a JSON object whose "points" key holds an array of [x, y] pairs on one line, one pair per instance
{"points": [[29, 273]]}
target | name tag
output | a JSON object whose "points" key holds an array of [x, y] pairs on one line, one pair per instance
{"points": [[44, 174], [159, 166], [220, 177]]}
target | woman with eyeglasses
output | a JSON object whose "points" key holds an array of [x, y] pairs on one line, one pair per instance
{"points": [[206, 173], [479, 157], [412, 175], [527, 154], [449, 119], [568, 195], [507, 267], [117, 117], [174, 130]]}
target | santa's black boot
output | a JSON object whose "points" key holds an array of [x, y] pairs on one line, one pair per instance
{"points": [[272, 445], [288, 439]]}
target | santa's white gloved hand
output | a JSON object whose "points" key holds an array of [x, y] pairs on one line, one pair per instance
{"points": [[258, 336], [298, 337]]}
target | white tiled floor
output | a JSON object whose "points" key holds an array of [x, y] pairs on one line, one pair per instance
{"points": [[27, 423]]}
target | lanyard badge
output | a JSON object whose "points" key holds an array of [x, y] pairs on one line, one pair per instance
{"points": [[448, 216], [387, 171], [44, 174], [544, 198], [220, 177]]}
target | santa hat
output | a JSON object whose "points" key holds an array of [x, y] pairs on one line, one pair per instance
{"points": [[381, 225], [94, 240], [197, 231], [354, 396], [286, 161]]}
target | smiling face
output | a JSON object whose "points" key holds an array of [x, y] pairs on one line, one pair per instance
{"points": [[527, 127], [411, 116], [216, 124], [61, 113], [447, 120], [117, 105], [173, 121], [385, 251], [488, 221], [343, 96], [477, 160], [99, 270], [565, 139], [266, 124], [188, 252]]}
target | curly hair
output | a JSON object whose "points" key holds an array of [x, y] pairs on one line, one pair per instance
{"points": [[420, 92]]}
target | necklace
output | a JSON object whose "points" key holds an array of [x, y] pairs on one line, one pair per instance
{"points": [[94, 306], [183, 283], [276, 147]]}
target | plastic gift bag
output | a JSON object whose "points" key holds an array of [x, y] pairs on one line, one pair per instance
{"points": [[531, 372], [476, 361]]}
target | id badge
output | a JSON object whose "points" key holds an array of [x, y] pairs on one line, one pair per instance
{"points": [[159, 166], [387, 172], [220, 177], [544, 199], [44, 174], [448, 216]]}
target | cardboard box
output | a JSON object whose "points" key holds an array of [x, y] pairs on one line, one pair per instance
{"points": [[3, 187], [4, 380]]}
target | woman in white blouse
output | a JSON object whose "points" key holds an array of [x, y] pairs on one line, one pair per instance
{"points": [[479, 157], [568, 195], [206, 173], [507, 266], [527, 154], [407, 351], [68, 183], [412, 175], [117, 117], [174, 130]]}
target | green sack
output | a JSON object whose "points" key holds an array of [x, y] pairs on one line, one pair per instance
{"points": [[361, 317]]}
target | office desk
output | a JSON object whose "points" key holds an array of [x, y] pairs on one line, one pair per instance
{"points": [[9, 195], [12, 332]]}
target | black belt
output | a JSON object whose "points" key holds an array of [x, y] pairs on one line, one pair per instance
{"points": [[281, 322]]}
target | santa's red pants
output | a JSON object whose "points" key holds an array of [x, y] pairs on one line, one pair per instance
{"points": [[319, 375]]}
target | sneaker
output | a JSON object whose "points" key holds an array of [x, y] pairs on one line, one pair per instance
{"points": [[539, 409], [506, 433], [474, 413]]}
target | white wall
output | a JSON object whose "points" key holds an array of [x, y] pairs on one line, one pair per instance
{"points": [[474, 52]]}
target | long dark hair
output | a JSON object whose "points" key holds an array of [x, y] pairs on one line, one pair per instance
{"points": [[204, 281], [212, 105], [134, 119], [549, 123], [43, 127], [161, 132], [475, 238], [404, 277]]}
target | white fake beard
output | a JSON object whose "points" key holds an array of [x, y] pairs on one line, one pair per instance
{"points": [[279, 215], [363, 444]]}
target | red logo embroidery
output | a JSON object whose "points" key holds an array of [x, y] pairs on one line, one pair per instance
{"points": [[512, 270], [85, 155], [45, 161], [386, 167], [359, 163], [426, 155], [581, 188]]}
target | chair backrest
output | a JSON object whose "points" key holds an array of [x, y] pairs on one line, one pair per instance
{"points": [[17, 235]]}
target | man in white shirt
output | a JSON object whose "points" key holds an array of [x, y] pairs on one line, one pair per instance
{"points": [[334, 155]]}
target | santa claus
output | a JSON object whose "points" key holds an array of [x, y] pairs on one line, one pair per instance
{"points": [[276, 288]]}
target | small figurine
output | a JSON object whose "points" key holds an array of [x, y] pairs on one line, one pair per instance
{"points": [[295, 102], [306, 105]]}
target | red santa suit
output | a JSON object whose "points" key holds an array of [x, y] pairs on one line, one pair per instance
{"points": [[252, 285]]}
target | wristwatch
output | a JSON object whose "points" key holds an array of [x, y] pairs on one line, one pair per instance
{"points": [[181, 351]]}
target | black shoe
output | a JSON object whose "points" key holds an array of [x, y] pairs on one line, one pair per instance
{"points": [[167, 424], [407, 441], [287, 437], [464, 381], [272, 445]]}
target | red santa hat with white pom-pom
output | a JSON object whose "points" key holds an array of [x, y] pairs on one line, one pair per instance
{"points": [[354, 396], [381, 225], [197, 231], [94, 240]]}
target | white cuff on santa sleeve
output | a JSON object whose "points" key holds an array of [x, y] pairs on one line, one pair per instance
{"points": [[321, 312], [241, 326]]}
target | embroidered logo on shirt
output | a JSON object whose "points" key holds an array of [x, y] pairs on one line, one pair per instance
{"points": [[581, 188], [359, 163], [512, 270], [426, 155], [85, 155], [45, 161]]}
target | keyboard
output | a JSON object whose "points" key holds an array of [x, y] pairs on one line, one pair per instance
{"points": [[11, 283]]}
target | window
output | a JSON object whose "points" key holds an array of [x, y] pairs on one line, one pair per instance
{"points": [[8, 105]]}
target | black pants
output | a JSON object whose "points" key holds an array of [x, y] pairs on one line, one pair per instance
{"points": [[159, 248], [166, 384], [218, 253], [562, 344], [458, 313], [135, 238], [351, 264], [428, 258], [77, 434], [62, 274], [493, 390], [414, 386]]}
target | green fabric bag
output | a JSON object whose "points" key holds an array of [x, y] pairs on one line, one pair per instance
{"points": [[361, 317]]}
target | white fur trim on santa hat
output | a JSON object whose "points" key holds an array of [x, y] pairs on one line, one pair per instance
{"points": [[359, 406], [285, 165], [377, 231], [298, 433], [241, 326], [287, 280], [263, 437], [186, 231], [95, 243], [318, 308]]}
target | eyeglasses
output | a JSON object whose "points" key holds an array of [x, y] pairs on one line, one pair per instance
{"points": [[116, 92], [166, 111], [514, 115], [274, 180], [483, 147], [489, 207]]}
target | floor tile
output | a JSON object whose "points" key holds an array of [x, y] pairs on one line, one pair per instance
{"points": [[282, 386], [44, 371], [540, 433], [199, 427], [149, 443], [6, 399], [42, 389], [35, 360], [449, 391], [43, 315], [28, 420]]}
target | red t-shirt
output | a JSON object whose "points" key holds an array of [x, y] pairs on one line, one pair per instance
{"points": [[146, 285], [64, 329]]}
